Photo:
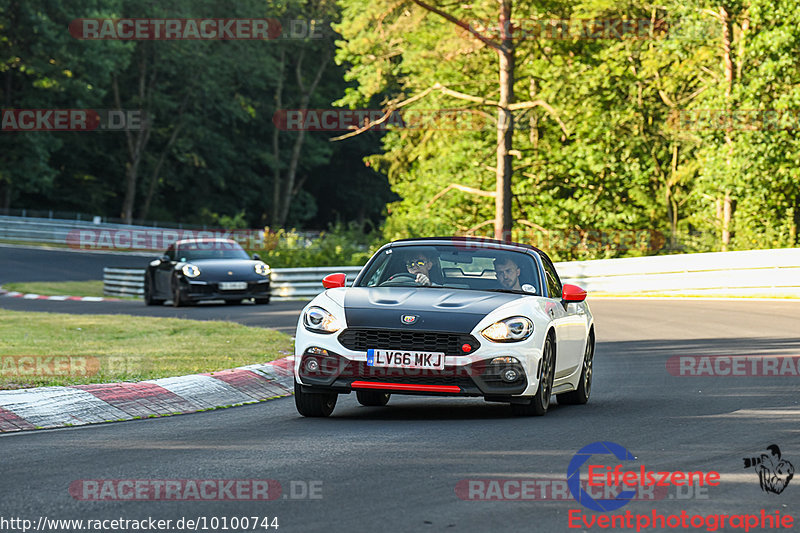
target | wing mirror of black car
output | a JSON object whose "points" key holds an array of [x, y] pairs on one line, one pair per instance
{"points": [[256, 257], [165, 259]]}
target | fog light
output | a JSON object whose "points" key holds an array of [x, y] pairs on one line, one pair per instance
{"points": [[312, 366], [317, 351], [505, 361], [509, 375]]}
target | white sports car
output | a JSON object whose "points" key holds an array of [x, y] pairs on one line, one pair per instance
{"points": [[447, 317]]}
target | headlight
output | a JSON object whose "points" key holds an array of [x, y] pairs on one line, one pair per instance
{"points": [[262, 269], [319, 320], [513, 329], [190, 271]]}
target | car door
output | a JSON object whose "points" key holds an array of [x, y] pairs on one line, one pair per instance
{"points": [[569, 321]]}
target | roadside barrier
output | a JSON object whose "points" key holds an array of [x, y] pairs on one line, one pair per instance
{"points": [[748, 273]]}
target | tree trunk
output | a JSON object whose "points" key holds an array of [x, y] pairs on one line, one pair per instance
{"points": [[727, 211], [727, 215], [287, 189], [672, 205], [151, 189], [276, 152], [503, 221], [136, 142]]}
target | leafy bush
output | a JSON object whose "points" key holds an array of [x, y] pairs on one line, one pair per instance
{"points": [[339, 246]]}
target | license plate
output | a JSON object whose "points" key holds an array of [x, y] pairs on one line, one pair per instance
{"points": [[232, 285], [405, 359]]}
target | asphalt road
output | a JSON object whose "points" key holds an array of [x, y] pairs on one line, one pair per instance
{"points": [[39, 264], [29, 264], [397, 468], [277, 315]]}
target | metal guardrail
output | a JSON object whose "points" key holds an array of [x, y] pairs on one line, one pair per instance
{"points": [[51, 231], [123, 282], [767, 272], [285, 284], [304, 283], [773, 272]]}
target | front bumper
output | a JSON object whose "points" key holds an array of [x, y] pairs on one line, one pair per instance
{"points": [[197, 291], [335, 373]]}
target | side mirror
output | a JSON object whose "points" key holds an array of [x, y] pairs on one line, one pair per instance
{"points": [[165, 259], [333, 281], [572, 293], [256, 257]]}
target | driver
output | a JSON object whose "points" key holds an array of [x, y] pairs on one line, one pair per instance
{"points": [[507, 273], [420, 265]]}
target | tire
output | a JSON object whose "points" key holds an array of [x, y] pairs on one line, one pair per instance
{"points": [[541, 400], [233, 302], [261, 301], [581, 395], [177, 298], [148, 292], [372, 398], [314, 404]]}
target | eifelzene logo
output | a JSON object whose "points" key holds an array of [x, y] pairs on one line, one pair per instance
{"points": [[774, 472]]}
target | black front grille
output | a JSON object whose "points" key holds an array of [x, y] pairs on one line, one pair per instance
{"points": [[362, 339]]}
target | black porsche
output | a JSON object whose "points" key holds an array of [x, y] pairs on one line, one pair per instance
{"points": [[195, 270]]}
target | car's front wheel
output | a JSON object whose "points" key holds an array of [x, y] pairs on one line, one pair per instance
{"points": [[313, 403], [149, 289], [581, 395], [178, 300], [261, 301], [372, 398], [541, 400]]}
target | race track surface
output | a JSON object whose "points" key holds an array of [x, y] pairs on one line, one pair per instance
{"points": [[398, 468]]}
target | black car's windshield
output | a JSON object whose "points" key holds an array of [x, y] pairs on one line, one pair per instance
{"points": [[455, 267], [194, 250]]}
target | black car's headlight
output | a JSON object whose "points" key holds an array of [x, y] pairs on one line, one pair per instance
{"points": [[512, 329], [262, 269], [190, 271], [319, 320]]}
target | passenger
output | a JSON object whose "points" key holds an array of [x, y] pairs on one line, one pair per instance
{"points": [[507, 273]]}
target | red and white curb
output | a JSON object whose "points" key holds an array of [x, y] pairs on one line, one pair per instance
{"points": [[30, 296], [53, 407]]}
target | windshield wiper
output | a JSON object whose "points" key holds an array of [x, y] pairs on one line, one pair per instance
{"points": [[510, 291]]}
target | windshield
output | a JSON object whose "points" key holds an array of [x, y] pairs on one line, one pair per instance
{"points": [[453, 267], [192, 251]]}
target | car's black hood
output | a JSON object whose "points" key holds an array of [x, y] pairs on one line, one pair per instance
{"points": [[217, 269], [436, 309]]}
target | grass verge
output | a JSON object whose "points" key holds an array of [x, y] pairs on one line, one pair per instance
{"points": [[58, 288], [44, 349]]}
